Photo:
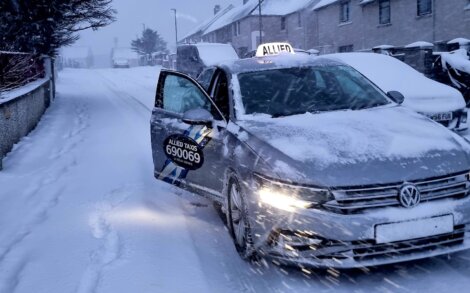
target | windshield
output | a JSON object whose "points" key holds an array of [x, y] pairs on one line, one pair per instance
{"points": [[289, 91]]}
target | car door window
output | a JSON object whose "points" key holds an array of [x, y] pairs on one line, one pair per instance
{"points": [[205, 78], [181, 95], [221, 94]]}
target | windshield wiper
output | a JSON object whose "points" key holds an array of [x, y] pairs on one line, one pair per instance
{"points": [[285, 114]]}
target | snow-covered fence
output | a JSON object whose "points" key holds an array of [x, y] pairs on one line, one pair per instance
{"points": [[22, 108]]}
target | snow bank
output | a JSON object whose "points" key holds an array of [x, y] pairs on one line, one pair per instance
{"points": [[390, 74]]}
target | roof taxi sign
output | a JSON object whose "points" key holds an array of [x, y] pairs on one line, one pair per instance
{"points": [[271, 49]]}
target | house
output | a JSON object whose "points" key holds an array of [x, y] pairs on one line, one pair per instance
{"points": [[281, 20], [196, 34], [355, 25]]}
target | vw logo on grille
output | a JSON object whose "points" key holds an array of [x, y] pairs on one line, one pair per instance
{"points": [[409, 196]]}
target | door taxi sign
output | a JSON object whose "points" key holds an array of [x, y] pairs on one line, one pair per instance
{"points": [[270, 49]]}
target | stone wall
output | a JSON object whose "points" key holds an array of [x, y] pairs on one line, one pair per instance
{"points": [[20, 115]]}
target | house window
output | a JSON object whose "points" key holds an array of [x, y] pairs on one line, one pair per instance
{"points": [[344, 49], [283, 23], [424, 7], [236, 28], [344, 11], [299, 19], [384, 12]]}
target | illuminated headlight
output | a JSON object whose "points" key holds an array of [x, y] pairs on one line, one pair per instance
{"points": [[281, 200], [290, 197]]}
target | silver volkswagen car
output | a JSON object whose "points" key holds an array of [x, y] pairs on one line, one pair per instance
{"points": [[312, 164]]}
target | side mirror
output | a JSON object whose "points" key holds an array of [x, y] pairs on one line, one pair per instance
{"points": [[397, 97], [198, 117]]}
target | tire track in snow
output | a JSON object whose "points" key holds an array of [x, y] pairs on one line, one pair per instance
{"points": [[126, 97], [111, 246]]}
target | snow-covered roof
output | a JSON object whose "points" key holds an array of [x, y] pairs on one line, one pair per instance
{"points": [[282, 7], [233, 15], [419, 44], [324, 3], [460, 41], [364, 2], [268, 7], [205, 25], [75, 52]]}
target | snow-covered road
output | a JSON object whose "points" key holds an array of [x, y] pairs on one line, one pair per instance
{"points": [[81, 212]]}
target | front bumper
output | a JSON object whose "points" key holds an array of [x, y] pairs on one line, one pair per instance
{"points": [[317, 238]]}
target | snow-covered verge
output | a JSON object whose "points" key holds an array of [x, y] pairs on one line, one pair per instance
{"points": [[81, 212]]}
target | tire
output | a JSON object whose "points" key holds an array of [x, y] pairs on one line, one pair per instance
{"points": [[237, 221]]}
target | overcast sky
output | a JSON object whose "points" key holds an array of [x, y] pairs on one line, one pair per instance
{"points": [[155, 14]]}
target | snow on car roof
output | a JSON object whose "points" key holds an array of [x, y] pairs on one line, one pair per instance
{"points": [[275, 62], [390, 74], [124, 53], [213, 54]]}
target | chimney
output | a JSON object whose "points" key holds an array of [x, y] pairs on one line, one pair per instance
{"points": [[216, 9]]}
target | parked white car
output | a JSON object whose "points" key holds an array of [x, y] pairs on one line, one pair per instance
{"points": [[438, 101]]}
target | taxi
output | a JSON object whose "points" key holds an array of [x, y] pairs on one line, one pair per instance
{"points": [[312, 164]]}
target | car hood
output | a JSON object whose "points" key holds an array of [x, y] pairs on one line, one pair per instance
{"points": [[348, 148]]}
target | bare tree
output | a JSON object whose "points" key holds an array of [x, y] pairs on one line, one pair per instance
{"points": [[43, 26]]}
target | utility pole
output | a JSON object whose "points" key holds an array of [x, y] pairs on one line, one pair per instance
{"points": [[260, 22], [176, 26]]}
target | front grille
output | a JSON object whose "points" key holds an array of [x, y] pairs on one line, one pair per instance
{"points": [[354, 199], [395, 249], [369, 250]]}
